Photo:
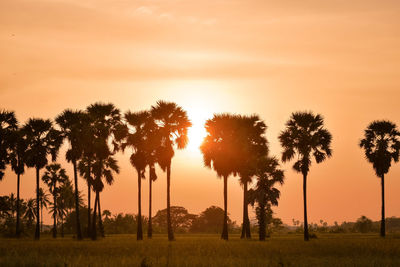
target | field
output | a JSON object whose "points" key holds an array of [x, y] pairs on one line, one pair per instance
{"points": [[204, 250]]}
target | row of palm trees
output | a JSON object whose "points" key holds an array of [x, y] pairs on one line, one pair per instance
{"points": [[234, 145]]}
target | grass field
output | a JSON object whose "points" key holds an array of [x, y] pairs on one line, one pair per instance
{"points": [[204, 250]]}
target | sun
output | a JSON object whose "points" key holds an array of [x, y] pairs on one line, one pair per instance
{"points": [[197, 132]]}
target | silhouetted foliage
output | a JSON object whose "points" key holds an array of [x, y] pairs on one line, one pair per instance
{"points": [[306, 137], [381, 144], [210, 221], [173, 124]]}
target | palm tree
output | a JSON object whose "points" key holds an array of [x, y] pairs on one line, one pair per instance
{"points": [[382, 145], [44, 202], [18, 166], [136, 140], [103, 168], [306, 137], [8, 125], [264, 193], [54, 177], [74, 128], [66, 202], [42, 139], [30, 212], [174, 124], [251, 145], [218, 149], [104, 125]]}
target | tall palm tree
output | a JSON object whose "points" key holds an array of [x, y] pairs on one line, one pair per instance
{"points": [[42, 139], [264, 193], [251, 145], [381, 144], [54, 178], [306, 137], [219, 153], [74, 128], [104, 124], [18, 166], [8, 125], [173, 123], [136, 140], [44, 202]]}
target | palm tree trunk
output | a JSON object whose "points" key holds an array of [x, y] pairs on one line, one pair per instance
{"points": [[78, 219], [306, 235], [62, 226], [94, 230], [89, 197], [170, 232], [225, 224], [246, 222], [18, 232], [37, 231], [54, 213], [89, 213], [262, 226], [383, 223], [101, 227], [150, 227], [139, 235]]}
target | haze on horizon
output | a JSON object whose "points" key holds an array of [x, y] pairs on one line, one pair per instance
{"points": [[337, 58]]}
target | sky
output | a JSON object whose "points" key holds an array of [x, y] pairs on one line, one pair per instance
{"points": [[337, 58]]}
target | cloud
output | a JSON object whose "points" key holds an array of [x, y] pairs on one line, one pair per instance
{"points": [[144, 10]]}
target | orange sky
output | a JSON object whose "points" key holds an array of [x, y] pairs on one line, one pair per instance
{"points": [[337, 58]]}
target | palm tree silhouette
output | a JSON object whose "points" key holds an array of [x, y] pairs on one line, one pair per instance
{"points": [[30, 211], [65, 202], [251, 145], [42, 139], [17, 154], [173, 124], [54, 177], [381, 144], [136, 140], [104, 125], [73, 126], [8, 125], [219, 153], [306, 137], [264, 193]]}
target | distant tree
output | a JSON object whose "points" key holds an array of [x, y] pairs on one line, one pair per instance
{"points": [[381, 144], [42, 139], [264, 194], [66, 202], [85, 170], [219, 153], [173, 124], [30, 212], [44, 202], [181, 219], [306, 137], [210, 221], [54, 178], [107, 214], [363, 225], [8, 125]]}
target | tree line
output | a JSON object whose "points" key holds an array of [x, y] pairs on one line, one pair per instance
{"points": [[235, 145]]}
